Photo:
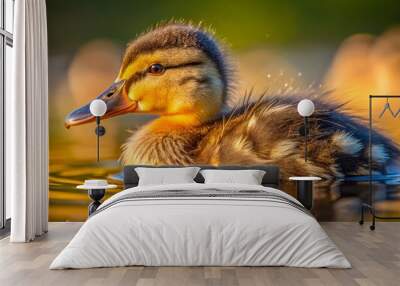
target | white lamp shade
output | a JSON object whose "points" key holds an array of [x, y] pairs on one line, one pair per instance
{"points": [[98, 107], [305, 107]]}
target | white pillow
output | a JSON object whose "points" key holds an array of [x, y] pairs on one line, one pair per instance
{"points": [[165, 176], [248, 177]]}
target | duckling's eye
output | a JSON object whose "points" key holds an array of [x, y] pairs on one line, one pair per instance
{"points": [[156, 69]]}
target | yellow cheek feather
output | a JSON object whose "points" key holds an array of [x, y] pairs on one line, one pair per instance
{"points": [[179, 94], [150, 95]]}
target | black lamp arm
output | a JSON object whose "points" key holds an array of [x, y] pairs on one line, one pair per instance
{"points": [[100, 131], [305, 138]]}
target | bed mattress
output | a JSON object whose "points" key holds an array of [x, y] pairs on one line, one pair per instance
{"points": [[201, 225]]}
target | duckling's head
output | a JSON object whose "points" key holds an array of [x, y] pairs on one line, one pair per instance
{"points": [[176, 70]]}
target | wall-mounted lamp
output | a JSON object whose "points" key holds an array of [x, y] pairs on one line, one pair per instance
{"points": [[98, 108], [305, 108]]}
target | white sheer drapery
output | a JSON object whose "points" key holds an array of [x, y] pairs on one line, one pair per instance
{"points": [[27, 124]]}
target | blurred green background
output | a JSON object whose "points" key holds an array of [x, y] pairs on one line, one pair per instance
{"points": [[243, 23]]}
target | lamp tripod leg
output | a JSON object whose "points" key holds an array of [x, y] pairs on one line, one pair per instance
{"points": [[361, 221], [372, 226]]}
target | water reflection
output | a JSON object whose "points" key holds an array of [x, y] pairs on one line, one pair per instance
{"points": [[68, 203]]}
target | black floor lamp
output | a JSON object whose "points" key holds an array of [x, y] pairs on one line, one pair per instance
{"points": [[305, 183], [98, 108], [370, 206]]}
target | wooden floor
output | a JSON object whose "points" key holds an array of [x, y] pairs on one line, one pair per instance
{"points": [[375, 257]]}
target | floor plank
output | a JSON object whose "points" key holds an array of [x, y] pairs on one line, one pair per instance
{"points": [[375, 257]]}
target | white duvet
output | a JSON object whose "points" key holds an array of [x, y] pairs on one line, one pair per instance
{"points": [[200, 231]]}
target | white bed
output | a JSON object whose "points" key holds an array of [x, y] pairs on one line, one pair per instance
{"points": [[205, 230]]}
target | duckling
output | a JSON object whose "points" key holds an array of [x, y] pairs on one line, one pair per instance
{"points": [[182, 74]]}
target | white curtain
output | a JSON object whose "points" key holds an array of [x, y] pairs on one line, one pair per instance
{"points": [[27, 124]]}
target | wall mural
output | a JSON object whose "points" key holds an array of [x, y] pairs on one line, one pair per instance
{"points": [[181, 93]]}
